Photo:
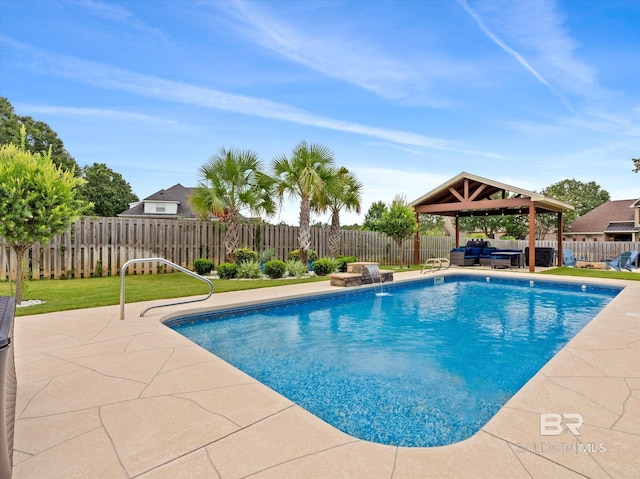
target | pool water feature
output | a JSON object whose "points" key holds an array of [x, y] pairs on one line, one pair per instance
{"points": [[428, 365]]}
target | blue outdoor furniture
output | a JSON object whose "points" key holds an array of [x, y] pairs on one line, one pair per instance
{"points": [[621, 262], [633, 261], [568, 259]]}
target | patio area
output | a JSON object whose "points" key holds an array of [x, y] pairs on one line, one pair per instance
{"points": [[103, 398]]}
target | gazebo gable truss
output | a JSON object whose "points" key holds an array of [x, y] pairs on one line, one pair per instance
{"points": [[466, 195]]}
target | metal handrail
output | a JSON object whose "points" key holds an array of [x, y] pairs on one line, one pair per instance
{"points": [[169, 263], [432, 263]]}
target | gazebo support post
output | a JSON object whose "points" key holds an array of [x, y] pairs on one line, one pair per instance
{"points": [[457, 232], [416, 242], [559, 239], [532, 238]]}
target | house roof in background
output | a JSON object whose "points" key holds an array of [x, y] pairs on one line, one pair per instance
{"points": [[621, 227], [164, 195], [598, 219], [176, 194]]}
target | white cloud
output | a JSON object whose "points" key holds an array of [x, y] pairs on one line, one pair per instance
{"points": [[346, 53], [90, 112], [105, 76], [119, 14], [511, 51]]}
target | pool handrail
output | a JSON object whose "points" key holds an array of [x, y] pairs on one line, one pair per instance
{"points": [[169, 263]]}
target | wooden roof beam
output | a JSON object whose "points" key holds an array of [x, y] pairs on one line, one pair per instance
{"points": [[455, 193], [474, 205], [477, 192]]}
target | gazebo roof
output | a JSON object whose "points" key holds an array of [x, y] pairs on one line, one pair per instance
{"points": [[466, 193]]}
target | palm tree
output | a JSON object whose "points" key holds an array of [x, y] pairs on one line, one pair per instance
{"points": [[348, 198], [232, 182], [310, 175]]}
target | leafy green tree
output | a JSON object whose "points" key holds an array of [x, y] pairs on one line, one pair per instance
{"points": [[37, 201], [106, 189], [40, 138], [374, 216], [230, 183], [636, 165], [582, 196], [516, 226], [348, 198], [431, 225], [398, 222], [308, 174], [9, 123], [489, 225]]}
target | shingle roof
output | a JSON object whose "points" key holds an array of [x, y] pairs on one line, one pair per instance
{"points": [[177, 193], [597, 220]]}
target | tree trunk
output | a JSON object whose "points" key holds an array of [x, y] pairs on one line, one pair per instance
{"points": [[19, 256], [334, 235], [304, 232], [231, 238]]}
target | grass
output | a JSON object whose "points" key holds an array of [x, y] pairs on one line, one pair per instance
{"points": [[593, 273], [64, 295]]}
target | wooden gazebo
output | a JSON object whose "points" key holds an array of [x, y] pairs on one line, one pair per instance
{"points": [[468, 195]]}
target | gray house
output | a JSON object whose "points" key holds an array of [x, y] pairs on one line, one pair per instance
{"points": [[611, 221], [172, 203]]}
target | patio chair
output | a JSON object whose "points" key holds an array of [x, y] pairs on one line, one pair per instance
{"points": [[633, 261], [568, 259], [621, 262]]}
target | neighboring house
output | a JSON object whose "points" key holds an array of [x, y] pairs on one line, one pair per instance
{"points": [[172, 203], [611, 221]]}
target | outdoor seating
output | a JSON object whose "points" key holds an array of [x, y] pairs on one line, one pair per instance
{"points": [[633, 261], [481, 253], [621, 262], [568, 259]]}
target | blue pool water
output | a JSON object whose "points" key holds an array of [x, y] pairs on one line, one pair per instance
{"points": [[427, 365]]}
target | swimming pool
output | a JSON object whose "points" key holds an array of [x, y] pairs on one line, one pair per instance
{"points": [[427, 366]]}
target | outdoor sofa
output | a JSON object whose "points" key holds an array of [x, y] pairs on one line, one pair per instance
{"points": [[482, 253]]}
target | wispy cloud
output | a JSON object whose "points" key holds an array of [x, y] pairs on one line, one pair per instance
{"points": [[90, 112], [109, 77], [119, 14], [519, 58], [338, 53]]}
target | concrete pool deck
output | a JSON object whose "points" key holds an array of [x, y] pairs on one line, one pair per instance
{"points": [[104, 398]]}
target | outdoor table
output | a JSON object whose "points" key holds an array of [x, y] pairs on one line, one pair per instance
{"points": [[505, 259]]}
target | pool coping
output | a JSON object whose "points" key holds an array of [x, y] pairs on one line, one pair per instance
{"points": [[100, 397]]}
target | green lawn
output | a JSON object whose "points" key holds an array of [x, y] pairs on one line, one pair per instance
{"points": [[62, 295], [594, 273]]}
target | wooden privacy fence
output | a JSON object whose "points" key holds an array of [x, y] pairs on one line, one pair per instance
{"points": [[100, 246]]}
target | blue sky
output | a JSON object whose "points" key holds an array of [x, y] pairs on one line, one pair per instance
{"points": [[407, 94]]}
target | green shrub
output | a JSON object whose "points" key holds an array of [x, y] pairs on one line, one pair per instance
{"points": [[297, 268], [275, 268], [227, 270], [268, 255], [249, 270], [341, 262], [245, 254], [324, 266], [311, 255], [202, 266]]}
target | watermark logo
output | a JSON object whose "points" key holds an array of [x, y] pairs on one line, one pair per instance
{"points": [[552, 424]]}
